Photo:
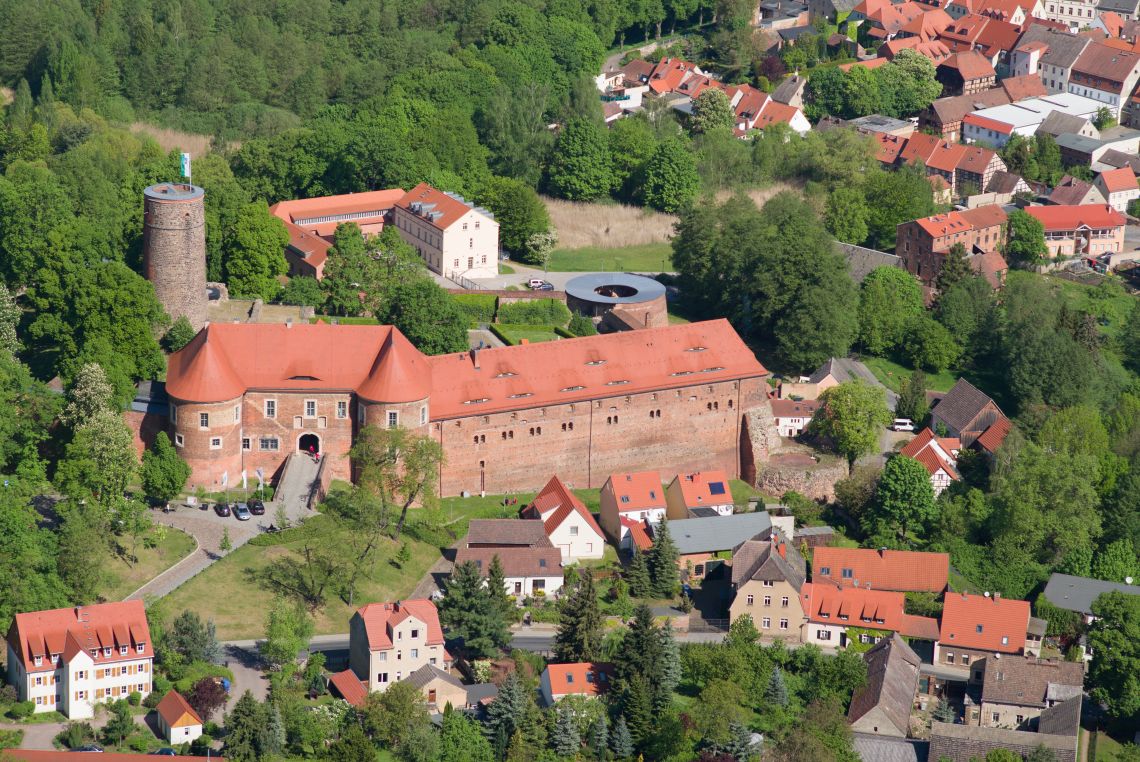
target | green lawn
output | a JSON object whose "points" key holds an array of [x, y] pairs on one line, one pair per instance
{"points": [[532, 333], [124, 579], [650, 257], [891, 374], [1105, 747], [1109, 302], [506, 269]]}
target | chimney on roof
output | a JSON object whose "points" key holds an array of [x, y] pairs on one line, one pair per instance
{"points": [[475, 358], [288, 322], [882, 552]]}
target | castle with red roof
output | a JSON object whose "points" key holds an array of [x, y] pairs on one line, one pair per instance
{"points": [[244, 397]]}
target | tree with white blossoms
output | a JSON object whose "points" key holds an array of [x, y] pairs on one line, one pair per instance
{"points": [[9, 318], [540, 245], [90, 394]]}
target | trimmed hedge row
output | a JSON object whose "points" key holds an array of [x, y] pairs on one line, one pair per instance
{"points": [[479, 308], [549, 312]]}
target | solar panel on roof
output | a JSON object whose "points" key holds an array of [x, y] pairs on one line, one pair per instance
{"points": [[716, 488]]}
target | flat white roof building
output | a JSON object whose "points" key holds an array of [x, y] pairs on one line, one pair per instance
{"points": [[997, 124]]}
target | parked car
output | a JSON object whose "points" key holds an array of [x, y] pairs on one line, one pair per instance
{"points": [[535, 282], [902, 424], [222, 509], [90, 747], [241, 512], [203, 506], [545, 287], [167, 752], [256, 507]]}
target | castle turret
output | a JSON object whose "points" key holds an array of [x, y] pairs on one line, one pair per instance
{"points": [[174, 249]]}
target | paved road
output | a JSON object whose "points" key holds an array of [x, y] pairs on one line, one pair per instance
{"points": [[856, 369], [296, 485], [40, 735], [522, 274]]}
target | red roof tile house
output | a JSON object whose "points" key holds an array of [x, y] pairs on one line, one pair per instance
{"points": [[633, 496], [569, 525], [938, 455], [956, 163], [923, 244], [837, 616], [177, 720], [966, 72], [588, 679], [1119, 187], [893, 570], [389, 641], [530, 562], [976, 626], [700, 493], [244, 397], [1087, 231], [793, 416], [312, 222], [68, 660], [455, 238]]}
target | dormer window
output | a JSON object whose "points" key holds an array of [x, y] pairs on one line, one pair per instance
{"points": [[978, 629], [140, 647], [569, 679], [593, 363], [106, 651], [39, 661], [123, 650], [55, 658]]}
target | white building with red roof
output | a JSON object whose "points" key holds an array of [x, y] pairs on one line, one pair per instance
{"points": [[836, 616], [938, 455], [567, 521], [389, 641], [588, 679], [698, 493], [177, 720], [69, 660], [631, 497], [1088, 231], [1119, 187], [454, 237]]}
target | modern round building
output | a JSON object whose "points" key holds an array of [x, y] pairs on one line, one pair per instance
{"points": [[623, 301], [174, 248]]}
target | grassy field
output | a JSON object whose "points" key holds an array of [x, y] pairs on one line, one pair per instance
{"points": [[648, 257], [1109, 302], [125, 579], [232, 594], [506, 269], [1103, 747], [891, 374], [532, 333], [608, 226]]}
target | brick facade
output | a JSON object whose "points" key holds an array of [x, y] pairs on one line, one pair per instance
{"points": [[174, 249]]}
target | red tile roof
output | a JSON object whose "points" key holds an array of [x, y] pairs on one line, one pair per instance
{"points": [[176, 712], [984, 216], [350, 687], [225, 360], [992, 266], [894, 570], [787, 408], [580, 678], [977, 160], [1065, 218], [311, 246], [380, 618], [573, 370], [299, 210], [669, 73], [971, 65], [442, 210], [858, 607], [927, 26], [83, 628], [985, 624], [637, 491], [986, 123], [776, 113], [637, 532], [517, 561], [991, 439], [557, 498], [704, 488], [922, 449], [1117, 180], [1025, 86]]}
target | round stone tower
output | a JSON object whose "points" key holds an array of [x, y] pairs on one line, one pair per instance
{"points": [[174, 248]]}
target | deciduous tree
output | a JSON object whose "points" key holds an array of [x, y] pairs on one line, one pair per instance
{"points": [[712, 111], [519, 212], [888, 299], [1025, 239], [206, 697], [579, 168], [912, 401], [257, 253], [904, 501], [163, 473], [671, 180], [398, 466], [852, 416], [287, 631]]}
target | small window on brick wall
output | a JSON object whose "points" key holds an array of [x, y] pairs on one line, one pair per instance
{"points": [[179, 440], [342, 409], [215, 443], [245, 443], [204, 420]]}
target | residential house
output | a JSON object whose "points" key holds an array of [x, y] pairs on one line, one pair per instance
{"points": [[883, 705], [837, 616], [767, 577], [1058, 123], [1003, 186], [790, 92], [389, 641], [997, 124], [993, 38], [1078, 149], [506, 533], [1076, 14], [1087, 231], [901, 571], [1016, 690], [1078, 594], [975, 626], [1048, 54], [991, 266], [438, 688], [965, 73], [636, 496], [455, 238], [925, 27], [1108, 75], [568, 523], [177, 721], [704, 544], [793, 416], [1114, 159], [588, 679], [935, 51], [944, 116], [1073, 192], [966, 412], [1013, 11], [966, 743], [884, 20], [923, 244], [877, 124], [670, 73], [533, 570], [1119, 187], [966, 169], [1125, 10], [810, 387], [312, 222], [69, 660], [755, 110], [700, 493]]}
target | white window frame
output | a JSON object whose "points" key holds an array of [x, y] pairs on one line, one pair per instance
{"points": [[261, 444], [270, 408], [342, 409], [215, 443], [313, 404], [393, 418], [179, 440], [237, 413], [204, 421]]}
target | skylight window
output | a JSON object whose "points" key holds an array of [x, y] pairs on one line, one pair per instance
{"points": [[682, 373], [506, 374], [520, 395], [478, 401], [596, 362], [713, 370], [571, 388], [617, 383], [697, 348]]}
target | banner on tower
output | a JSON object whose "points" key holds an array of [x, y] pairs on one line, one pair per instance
{"points": [[186, 165]]}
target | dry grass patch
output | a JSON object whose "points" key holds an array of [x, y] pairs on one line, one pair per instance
{"points": [[760, 196], [607, 226], [174, 140]]}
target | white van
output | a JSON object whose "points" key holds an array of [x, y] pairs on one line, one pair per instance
{"points": [[902, 424]]}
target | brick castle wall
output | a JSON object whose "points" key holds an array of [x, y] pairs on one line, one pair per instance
{"points": [[174, 249]]}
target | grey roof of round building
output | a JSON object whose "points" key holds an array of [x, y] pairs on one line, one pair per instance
{"points": [[586, 288], [173, 192]]}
